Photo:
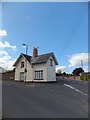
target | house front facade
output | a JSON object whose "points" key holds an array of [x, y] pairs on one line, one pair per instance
{"points": [[36, 68]]}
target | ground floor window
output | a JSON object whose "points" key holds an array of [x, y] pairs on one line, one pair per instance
{"points": [[22, 76], [38, 74]]}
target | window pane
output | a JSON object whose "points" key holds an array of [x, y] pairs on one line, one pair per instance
{"points": [[22, 64], [21, 75], [38, 74], [51, 62]]}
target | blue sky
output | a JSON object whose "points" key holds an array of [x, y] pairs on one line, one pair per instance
{"points": [[61, 28]]}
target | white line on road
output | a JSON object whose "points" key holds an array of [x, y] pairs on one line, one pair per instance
{"points": [[30, 85], [75, 89]]}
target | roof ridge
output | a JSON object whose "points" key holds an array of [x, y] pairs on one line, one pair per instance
{"points": [[38, 55], [46, 54], [26, 55]]}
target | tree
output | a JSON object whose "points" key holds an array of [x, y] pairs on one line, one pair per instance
{"points": [[64, 74], [58, 72], [77, 71]]}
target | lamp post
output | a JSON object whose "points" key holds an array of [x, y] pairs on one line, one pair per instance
{"points": [[26, 48], [26, 60]]}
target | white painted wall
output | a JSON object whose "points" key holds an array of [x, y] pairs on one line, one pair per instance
{"points": [[19, 69], [29, 72], [40, 67], [48, 71], [51, 75]]}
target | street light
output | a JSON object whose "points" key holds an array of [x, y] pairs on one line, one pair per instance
{"points": [[26, 48], [26, 60]]}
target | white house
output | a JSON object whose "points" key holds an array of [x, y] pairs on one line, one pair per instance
{"points": [[36, 68]]}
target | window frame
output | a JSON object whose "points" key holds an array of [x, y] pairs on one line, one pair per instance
{"points": [[22, 76], [51, 62], [22, 64], [38, 75]]}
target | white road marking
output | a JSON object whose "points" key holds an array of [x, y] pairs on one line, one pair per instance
{"points": [[75, 89], [30, 85]]}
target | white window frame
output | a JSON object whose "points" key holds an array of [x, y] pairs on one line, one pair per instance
{"points": [[51, 62], [38, 74], [22, 76], [22, 64]]}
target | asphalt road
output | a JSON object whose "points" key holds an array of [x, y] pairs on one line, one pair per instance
{"points": [[63, 99]]}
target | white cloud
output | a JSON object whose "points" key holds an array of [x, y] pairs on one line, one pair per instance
{"points": [[6, 61], [6, 44], [3, 52], [3, 33], [75, 59], [62, 68]]}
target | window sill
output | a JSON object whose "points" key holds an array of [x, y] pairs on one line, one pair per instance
{"points": [[38, 79]]}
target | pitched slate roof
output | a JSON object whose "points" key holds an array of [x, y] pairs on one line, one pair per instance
{"points": [[43, 58], [37, 60]]}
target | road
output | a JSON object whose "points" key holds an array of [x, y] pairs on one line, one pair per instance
{"points": [[63, 99], [0, 99]]}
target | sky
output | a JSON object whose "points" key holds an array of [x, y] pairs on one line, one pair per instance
{"points": [[59, 27]]}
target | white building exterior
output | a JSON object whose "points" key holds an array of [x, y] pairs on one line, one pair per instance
{"points": [[39, 68]]}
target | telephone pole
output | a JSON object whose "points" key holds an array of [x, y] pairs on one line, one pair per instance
{"points": [[82, 64]]}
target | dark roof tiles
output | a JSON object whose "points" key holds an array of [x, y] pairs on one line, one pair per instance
{"points": [[39, 59]]}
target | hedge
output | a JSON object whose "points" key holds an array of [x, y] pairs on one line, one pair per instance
{"points": [[85, 77]]}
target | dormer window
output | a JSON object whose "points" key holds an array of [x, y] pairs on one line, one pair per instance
{"points": [[22, 64], [51, 62]]}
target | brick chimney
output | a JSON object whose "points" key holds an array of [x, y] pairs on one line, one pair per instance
{"points": [[35, 52]]}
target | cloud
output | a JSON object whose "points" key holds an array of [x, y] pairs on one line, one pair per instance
{"points": [[3, 33], [6, 44], [6, 61], [75, 59], [62, 68]]}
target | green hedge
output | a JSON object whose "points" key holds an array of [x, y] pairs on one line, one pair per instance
{"points": [[85, 77]]}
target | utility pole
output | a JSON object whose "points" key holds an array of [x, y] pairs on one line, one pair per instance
{"points": [[26, 60], [82, 64]]}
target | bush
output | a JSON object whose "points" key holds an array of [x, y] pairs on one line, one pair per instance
{"points": [[85, 77]]}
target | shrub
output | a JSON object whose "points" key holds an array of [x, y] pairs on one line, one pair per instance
{"points": [[85, 77]]}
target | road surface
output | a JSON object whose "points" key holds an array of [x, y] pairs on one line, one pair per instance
{"points": [[63, 99]]}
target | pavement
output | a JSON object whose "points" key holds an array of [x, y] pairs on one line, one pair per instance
{"points": [[63, 99]]}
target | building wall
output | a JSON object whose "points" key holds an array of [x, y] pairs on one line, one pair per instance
{"points": [[19, 69], [29, 72], [51, 75], [48, 71], [43, 67]]}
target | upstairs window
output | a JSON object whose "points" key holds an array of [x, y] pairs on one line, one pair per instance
{"points": [[22, 64], [51, 62]]}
